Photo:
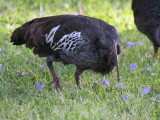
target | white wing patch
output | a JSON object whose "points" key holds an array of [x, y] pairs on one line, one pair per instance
{"points": [[68, 42], [50, 36]]}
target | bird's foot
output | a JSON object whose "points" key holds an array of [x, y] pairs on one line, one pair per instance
{"points": [[57, 85], [79, 86]]}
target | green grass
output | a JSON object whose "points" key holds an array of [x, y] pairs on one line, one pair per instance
{"points": [[19, 97]]}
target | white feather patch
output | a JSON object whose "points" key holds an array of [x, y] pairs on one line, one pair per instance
{"points": [[69, 40], [50, 36]]}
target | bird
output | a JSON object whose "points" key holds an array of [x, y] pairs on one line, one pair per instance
{"points": [[147, 19], [87, 42]]}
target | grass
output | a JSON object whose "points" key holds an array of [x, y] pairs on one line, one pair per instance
{"points": [[19, 97]]}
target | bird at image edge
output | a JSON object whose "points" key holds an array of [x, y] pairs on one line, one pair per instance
{"points": [[147, 19]]}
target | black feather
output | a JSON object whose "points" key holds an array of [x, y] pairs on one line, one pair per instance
{"points": [[86, 42], [147, 20]]}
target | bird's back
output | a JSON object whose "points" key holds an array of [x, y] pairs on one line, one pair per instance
{"points": [[39, 32]]}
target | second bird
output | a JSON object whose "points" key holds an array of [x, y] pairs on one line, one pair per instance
{"points": [[147, 20]]}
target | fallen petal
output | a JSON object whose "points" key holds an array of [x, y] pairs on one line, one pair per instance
{"points": [[41, 13], [120, 85], [158, 96], [43, 69], [81, 11], [1, 51], [1, 68], [126, 97], [133, 66], [105, 81], [39, 86], [130, 44], [22, 74], [153, 74], [146, 90]]}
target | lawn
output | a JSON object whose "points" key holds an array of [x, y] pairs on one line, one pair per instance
{"points": [[20, 69]]}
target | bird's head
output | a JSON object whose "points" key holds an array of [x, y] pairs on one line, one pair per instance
{"points": [[110, 39], [110, 45]]}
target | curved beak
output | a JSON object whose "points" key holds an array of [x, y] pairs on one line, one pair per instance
{"points": [[117, 62]]}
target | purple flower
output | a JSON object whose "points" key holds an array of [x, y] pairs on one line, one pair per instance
{"points": [[120, 85], [22, 74], [105, 81], [41, 13], [146, 90], [43, 69], [1, 51], [126, 97], [153, 74], [81, 11], [130, 44], [39, 86], [133, 66], [158, 96], [0, 68]]}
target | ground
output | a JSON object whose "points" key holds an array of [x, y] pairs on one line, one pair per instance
{"points": [[20, 69]]}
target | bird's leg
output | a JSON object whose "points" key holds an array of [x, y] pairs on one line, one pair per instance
{"points": [[155, 51], [118, 75], [77, 76], [55, 78]]}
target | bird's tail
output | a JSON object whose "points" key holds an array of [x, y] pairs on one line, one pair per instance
{"points": [[17, 37], [20, 35]]}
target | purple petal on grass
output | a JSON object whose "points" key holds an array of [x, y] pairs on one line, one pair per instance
{"points": [[9, 26], [153, 74], [22, 74], [43, 69], [133, 66], [130, 44], [105, 81], [41, 13], [126, 97], [1, 51], [1, 68], [39, 86], [120, 85], [146, 90], [81, 11]]}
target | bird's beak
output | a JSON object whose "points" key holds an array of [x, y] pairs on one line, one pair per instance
{"points": [[117, 63]]}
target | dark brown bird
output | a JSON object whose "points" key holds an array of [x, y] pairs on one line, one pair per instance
{"points": [[147, 20], [86, 42]]}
